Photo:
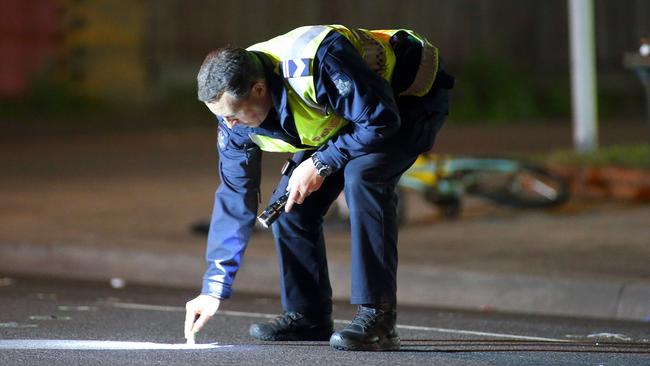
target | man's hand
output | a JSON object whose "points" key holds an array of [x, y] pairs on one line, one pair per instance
{"points": [[303, 181], [198, 312]]}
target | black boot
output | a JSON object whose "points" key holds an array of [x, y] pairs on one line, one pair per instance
{"points": [[372, 329], [294, 326]]}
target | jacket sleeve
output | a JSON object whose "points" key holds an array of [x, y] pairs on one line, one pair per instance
{"points": [[345, 83], [235, 207]]}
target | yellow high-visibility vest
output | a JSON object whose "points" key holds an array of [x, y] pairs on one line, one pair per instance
{"points": [[293, 54]]}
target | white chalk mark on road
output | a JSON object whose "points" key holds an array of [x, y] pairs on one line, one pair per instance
{"points": [[340, 321], [17, 325], [63, 344]]}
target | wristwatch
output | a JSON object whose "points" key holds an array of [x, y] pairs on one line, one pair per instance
{"points": [[321, 168]]}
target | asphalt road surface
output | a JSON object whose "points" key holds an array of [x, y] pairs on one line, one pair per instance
{"points": [[57, 322]]}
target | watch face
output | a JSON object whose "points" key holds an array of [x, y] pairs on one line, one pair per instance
{"points": [[324, 171]]}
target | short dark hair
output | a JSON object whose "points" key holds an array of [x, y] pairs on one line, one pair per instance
{"points": [[228, 69]]}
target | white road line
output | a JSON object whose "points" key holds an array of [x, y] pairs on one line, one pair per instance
{"points": [[487, 334], [125, 305], [65, 344]]}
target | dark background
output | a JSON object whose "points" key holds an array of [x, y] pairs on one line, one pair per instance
{"points": [[65, 61]]}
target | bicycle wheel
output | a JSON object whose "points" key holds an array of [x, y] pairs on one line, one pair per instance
{"points": [[530, 186], [448, 205]]}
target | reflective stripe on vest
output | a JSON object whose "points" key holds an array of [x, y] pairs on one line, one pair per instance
{"points": [[292, 55], [271, 144]]}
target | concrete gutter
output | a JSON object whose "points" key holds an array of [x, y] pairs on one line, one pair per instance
{"points": [[417, 285]]}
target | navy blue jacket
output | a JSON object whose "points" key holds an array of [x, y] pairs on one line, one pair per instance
{"points": [[367, 101]]}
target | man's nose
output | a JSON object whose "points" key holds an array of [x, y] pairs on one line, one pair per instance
{"points": [[231, 122]]}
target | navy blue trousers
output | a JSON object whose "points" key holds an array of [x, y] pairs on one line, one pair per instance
{"points": [[369, 184]]}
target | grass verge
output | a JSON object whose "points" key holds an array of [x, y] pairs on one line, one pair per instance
{"points": [[635, 156]]}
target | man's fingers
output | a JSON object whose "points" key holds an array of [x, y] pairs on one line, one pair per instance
{"points": [[293, 198], [198, 312], [200, 322], [190, 317]]}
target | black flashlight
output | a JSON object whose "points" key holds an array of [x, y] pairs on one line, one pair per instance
{"points": [[273, 211]]}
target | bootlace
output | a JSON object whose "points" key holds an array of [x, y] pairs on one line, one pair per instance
{"points": [[365, 317], [287, 318]]}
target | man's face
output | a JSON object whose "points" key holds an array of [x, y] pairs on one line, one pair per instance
{"points": [[250, 112]]}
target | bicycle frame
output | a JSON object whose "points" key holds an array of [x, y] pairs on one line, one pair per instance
{"points": [[444, 173]]}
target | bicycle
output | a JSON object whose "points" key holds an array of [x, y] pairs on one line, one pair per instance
{"points": [[444, 180]]}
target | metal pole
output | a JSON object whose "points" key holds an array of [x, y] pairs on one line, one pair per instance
{"points": [[647, 101], [644, 75], [583, 75]]}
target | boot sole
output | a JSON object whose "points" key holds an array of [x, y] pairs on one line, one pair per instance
{"points": [[307, 336], [385, 344], [293, 338]]}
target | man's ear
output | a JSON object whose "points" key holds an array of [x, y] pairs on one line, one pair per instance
{"points": [[259, 88]]}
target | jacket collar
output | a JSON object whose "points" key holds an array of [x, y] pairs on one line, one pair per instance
{"points": [[281, 123]]}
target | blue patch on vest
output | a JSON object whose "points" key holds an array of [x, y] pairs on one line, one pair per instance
{"points": [[296, 68], [343, 84], [222, 138]]}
